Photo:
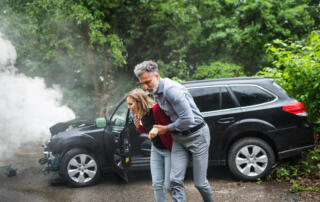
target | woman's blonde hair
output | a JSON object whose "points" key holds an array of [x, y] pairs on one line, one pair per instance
{"points": [[143, 101]]}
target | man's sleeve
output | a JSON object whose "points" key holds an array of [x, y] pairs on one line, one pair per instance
{"points": [[181, 106], [161, 118]]}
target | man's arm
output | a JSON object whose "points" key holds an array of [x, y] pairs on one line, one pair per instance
{"points": [[161, 129], [175, 96]]}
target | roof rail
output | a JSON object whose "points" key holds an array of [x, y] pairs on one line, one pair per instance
{"points": [[225, 79]]}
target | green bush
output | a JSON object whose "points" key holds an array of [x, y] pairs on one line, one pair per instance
{"points": [[173, 69], [303, 173], [217, 69]]}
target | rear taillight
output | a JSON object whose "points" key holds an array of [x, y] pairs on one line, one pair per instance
{"points": [[296, 108]]}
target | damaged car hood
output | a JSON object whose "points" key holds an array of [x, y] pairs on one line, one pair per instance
{"points": [[72, 132], [64, 126]]}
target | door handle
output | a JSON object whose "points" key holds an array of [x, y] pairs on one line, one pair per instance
{"points": [[226, 120]]}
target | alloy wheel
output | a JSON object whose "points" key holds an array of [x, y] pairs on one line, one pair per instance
{"points": [[251, 160], [82, 168]]}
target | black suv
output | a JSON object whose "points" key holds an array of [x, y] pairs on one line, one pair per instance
{"points": [[253, 123]]}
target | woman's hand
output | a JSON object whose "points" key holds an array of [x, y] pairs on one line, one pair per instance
{"points": [[153, 133]]}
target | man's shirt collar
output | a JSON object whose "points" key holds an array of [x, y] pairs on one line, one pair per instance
{"points": [[160, 87]]}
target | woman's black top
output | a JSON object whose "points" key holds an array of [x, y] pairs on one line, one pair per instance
{"points": [[148, 122]]}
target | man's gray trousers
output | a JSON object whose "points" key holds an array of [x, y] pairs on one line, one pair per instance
{"points": [[197, 144]]}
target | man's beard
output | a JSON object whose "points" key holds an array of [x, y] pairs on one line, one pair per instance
{"points": [[155, 88]]}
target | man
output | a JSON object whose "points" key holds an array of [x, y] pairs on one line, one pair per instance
{"points": [[192, 136]]}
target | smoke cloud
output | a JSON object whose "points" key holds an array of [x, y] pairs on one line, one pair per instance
{"points": [[27, 107]]}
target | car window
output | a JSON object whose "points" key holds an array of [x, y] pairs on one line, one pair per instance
{"points": [[206, 98], [251, 95], [119, 116], [226, 100]]}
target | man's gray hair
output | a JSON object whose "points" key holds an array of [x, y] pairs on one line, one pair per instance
{"points": [[145, 66]]}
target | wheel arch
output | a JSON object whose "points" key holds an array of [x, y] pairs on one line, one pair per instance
{"points": [[78, 146], [85, 142], [249, 128]]}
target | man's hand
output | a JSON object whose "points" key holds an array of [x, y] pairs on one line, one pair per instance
{"points": [[161, 129]]}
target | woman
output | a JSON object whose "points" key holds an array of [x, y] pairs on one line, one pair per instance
{"points": [[148, 113]]}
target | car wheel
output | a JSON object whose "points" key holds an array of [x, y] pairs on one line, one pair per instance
{"points": [[250, 158], [79, 168]]}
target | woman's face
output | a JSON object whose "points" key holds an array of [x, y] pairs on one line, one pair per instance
{"points": [[132, 104]]}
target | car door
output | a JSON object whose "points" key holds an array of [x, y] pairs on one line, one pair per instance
{"points": [[140, 144], [117, 141]]}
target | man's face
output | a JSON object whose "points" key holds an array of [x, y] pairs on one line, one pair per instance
{"points": [[149, 81]]}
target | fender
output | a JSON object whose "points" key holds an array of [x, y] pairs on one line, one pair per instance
{"points": [[65, 140], [85, 141], [246, 126]]}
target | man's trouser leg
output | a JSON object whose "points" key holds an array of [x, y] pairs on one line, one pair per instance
{"points": [[197, 144], [179, 162], [200, 164]]}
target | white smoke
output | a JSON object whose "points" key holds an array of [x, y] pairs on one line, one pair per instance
{"points": [[27, 107]]}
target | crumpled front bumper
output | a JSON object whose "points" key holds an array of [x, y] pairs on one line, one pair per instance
{"points": [[50, 160]]}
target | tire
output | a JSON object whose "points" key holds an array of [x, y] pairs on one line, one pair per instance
{"points": [[250, 158], [79, 168]]}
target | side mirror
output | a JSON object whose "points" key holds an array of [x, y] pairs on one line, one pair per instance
{"points": [[101, 122]]}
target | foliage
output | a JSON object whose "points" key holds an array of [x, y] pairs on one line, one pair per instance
{"points": [[173, 69], [259, 181], [303, 173], [218, 69], [297, 70], [238, 30], [186, 34]]}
